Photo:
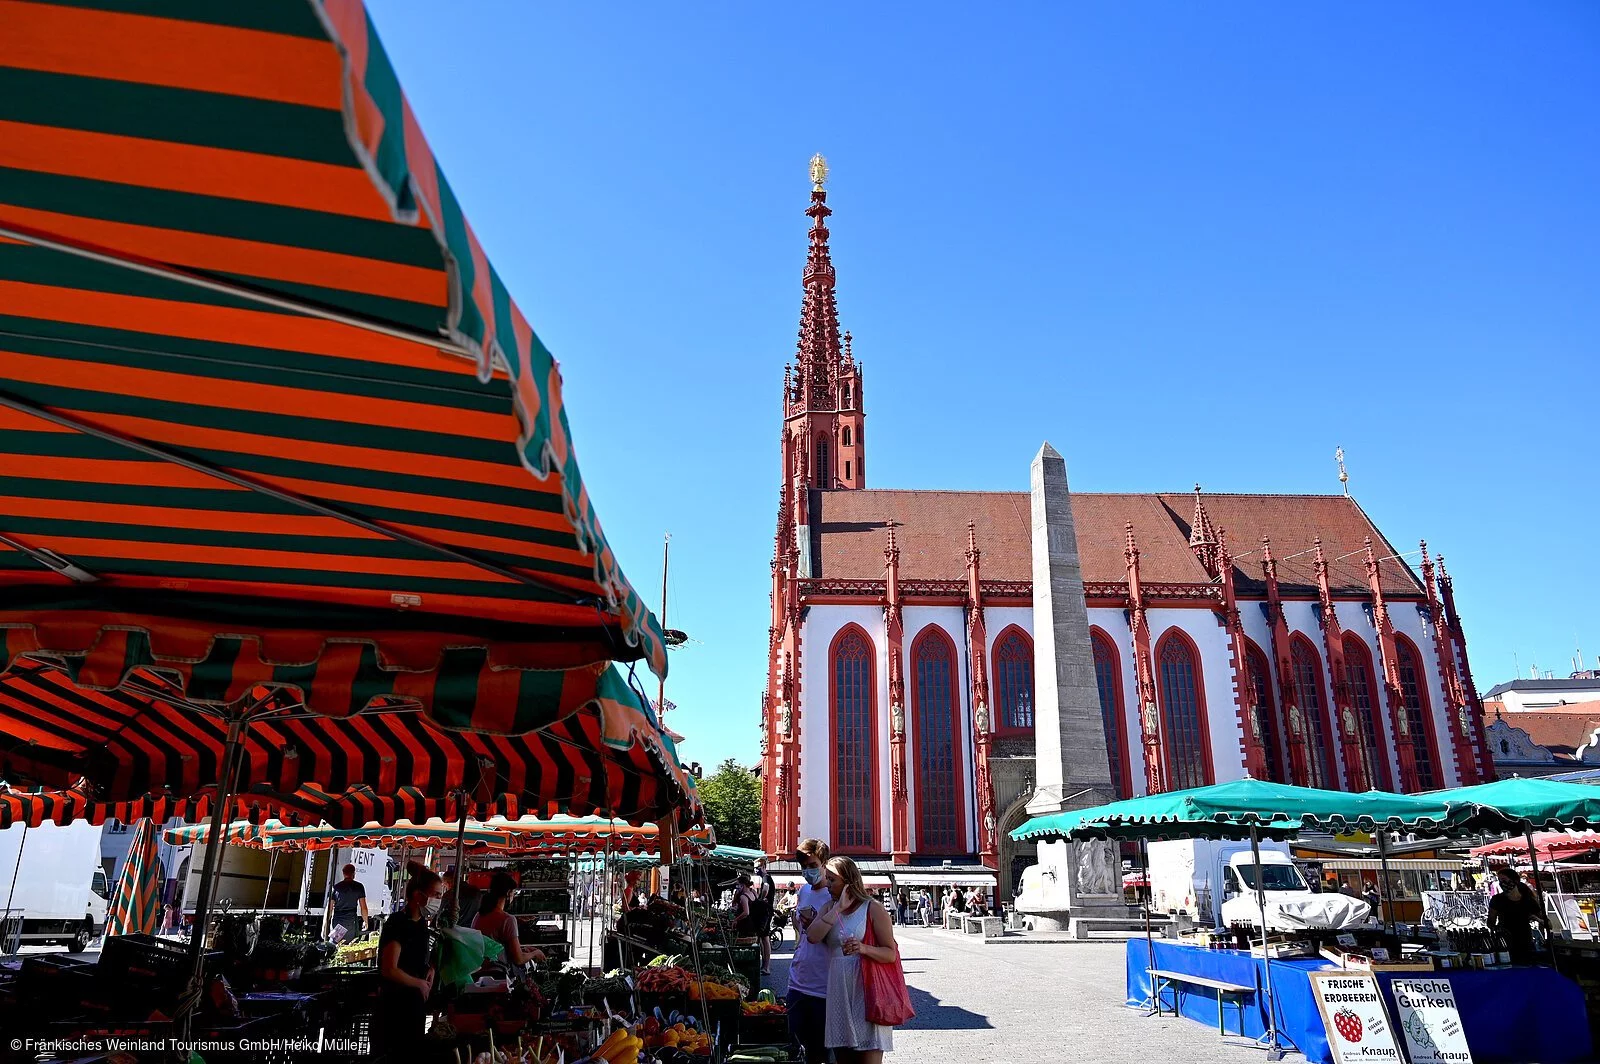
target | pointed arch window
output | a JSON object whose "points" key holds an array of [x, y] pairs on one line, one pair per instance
{"points": [[1320, 763], [1013, 681], [1419, 712], [1108, 679], [1183, 712], [852, 677], [847, 436], [824, 463], [1259, 674], [938, 743], [1363, 687]]}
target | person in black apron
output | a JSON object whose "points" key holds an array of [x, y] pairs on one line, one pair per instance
{"points": [[404, 966]]}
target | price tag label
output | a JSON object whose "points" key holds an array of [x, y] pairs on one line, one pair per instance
{"points": [[1347, 940]]}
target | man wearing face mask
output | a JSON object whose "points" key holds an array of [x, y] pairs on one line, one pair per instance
{"points": [[808, 970]]}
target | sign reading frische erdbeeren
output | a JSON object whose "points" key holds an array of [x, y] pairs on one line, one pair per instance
{"points": [[1357, 1020], [1425, 1010]]}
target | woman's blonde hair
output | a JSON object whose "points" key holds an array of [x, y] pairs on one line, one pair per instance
{"points": [[846, 870], [814, 848]]}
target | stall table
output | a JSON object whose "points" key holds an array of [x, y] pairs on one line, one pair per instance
{"points": [[1508, 1014]]}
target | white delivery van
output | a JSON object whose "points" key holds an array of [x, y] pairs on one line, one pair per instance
{"points": [[52, 887], [1214, 882]]}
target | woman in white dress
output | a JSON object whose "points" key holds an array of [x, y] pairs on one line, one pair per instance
{"points": [[842, 924]]}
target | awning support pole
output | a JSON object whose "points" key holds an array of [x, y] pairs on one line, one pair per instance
{"points": [[1274, 1051], [1154, 1004], [232, 756], [1384, 901]]}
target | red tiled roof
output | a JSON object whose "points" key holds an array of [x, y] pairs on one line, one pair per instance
{"points": [[931, 527], [1559, 730]]}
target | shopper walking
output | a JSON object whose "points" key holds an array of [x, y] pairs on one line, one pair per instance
{"points": [[761, 907], [347, 908], [843, 926], [808, 969]]}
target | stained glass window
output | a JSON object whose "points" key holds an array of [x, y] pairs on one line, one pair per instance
{"points": [[933, 673], [1108, 680], [854, 744], [1414, 694], [1182, 720], [1314, 708], [1013, 681]]}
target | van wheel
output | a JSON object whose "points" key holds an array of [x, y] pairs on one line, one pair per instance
{"points": [[82, 938]]}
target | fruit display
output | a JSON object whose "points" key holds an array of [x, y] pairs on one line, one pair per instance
{"points": [[765, 1004]]}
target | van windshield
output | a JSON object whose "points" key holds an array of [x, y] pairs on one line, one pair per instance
{"points": [[1273, 877]]}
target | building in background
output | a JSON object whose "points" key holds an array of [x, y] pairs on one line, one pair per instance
{"points": [[1538, 732], [1277, 635]]}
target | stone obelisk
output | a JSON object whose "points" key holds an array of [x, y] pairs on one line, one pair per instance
{"points": [[1071, 763]]}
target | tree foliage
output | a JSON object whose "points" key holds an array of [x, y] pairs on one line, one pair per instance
{"points": [[732, 797]]}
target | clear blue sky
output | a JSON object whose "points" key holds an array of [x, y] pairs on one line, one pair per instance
{"points": [[1182, 242]]}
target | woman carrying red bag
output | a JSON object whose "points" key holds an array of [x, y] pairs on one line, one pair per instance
{"points": [[862, 953]]}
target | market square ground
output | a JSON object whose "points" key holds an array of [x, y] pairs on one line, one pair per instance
{"points": [[1034, 1002]]}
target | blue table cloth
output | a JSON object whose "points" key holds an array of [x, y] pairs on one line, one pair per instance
{"points": [[1509, 1015]]}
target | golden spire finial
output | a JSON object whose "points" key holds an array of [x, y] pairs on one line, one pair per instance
{"points": [[819, 172], [1344, 478]]}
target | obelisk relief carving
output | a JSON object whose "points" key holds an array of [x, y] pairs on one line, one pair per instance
{"points": [[1071, 766]]}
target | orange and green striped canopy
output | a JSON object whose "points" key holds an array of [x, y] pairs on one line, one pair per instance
{"points": [[135, 905], [267, 413]]}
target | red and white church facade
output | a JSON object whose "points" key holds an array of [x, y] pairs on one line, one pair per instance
{"points": [[1276, 635]]}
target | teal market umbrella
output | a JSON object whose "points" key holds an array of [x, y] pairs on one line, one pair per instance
{"points": [[1523, 806], [136, 900]]}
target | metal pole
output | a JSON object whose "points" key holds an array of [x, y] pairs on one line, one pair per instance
{"points": [[1383, 887], [1149, 940], [215, 841], [1274, 1051], [661, 691], [233, 751], [1533, 862], [15, 940], [272, 864], [461, 866]]}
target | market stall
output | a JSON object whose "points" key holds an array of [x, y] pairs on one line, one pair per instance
{"points": [[1256, 969]]}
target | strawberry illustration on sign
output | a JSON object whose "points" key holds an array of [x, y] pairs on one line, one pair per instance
{"points": [[1348, 1024]]}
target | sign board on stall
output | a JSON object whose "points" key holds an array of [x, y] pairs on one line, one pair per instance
{"points": [[1354, 1013], [1426, 1012]]}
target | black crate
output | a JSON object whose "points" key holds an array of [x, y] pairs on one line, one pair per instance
{"points": [[768, 1029]]}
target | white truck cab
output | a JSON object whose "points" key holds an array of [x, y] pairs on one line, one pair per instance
{"points": [[1214, 882]]}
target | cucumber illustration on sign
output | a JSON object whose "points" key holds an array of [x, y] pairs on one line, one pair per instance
{"points": [[1348, 1024], [1417, 1031]]}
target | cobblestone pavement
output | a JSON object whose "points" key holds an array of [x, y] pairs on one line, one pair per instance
{"points": [[1035, 1003]]}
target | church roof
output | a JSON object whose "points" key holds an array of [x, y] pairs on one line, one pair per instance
{"points": [[931, 527]]}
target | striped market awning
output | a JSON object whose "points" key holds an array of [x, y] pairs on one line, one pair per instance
{"points": [[268, 415], [1396, 864], [274, 835], [606, 756]]}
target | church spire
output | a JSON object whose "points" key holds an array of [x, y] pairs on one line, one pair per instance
{"points": [[1203, 538], [824, 412], [819, 352]]}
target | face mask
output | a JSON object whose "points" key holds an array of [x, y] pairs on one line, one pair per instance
{"points": [[434, 905], [813, 876]]}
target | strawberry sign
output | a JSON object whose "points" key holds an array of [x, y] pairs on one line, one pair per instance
{"points": [[1355, 1017]]}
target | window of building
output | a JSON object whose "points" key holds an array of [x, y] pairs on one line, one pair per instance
{"points": [[1013, 681], [824, 463], [1320, 762], [1364, 700], [1183, 718], [847, 469], [1414, 694], [855, 762], [1108, 679], [847, 435], [1260, 677], [938, 764]]}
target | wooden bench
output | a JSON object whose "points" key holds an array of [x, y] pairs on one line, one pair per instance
{"points": [[1161, 979]]}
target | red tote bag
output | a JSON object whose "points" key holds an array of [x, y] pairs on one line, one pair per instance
{"points": [[888, 999]]}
